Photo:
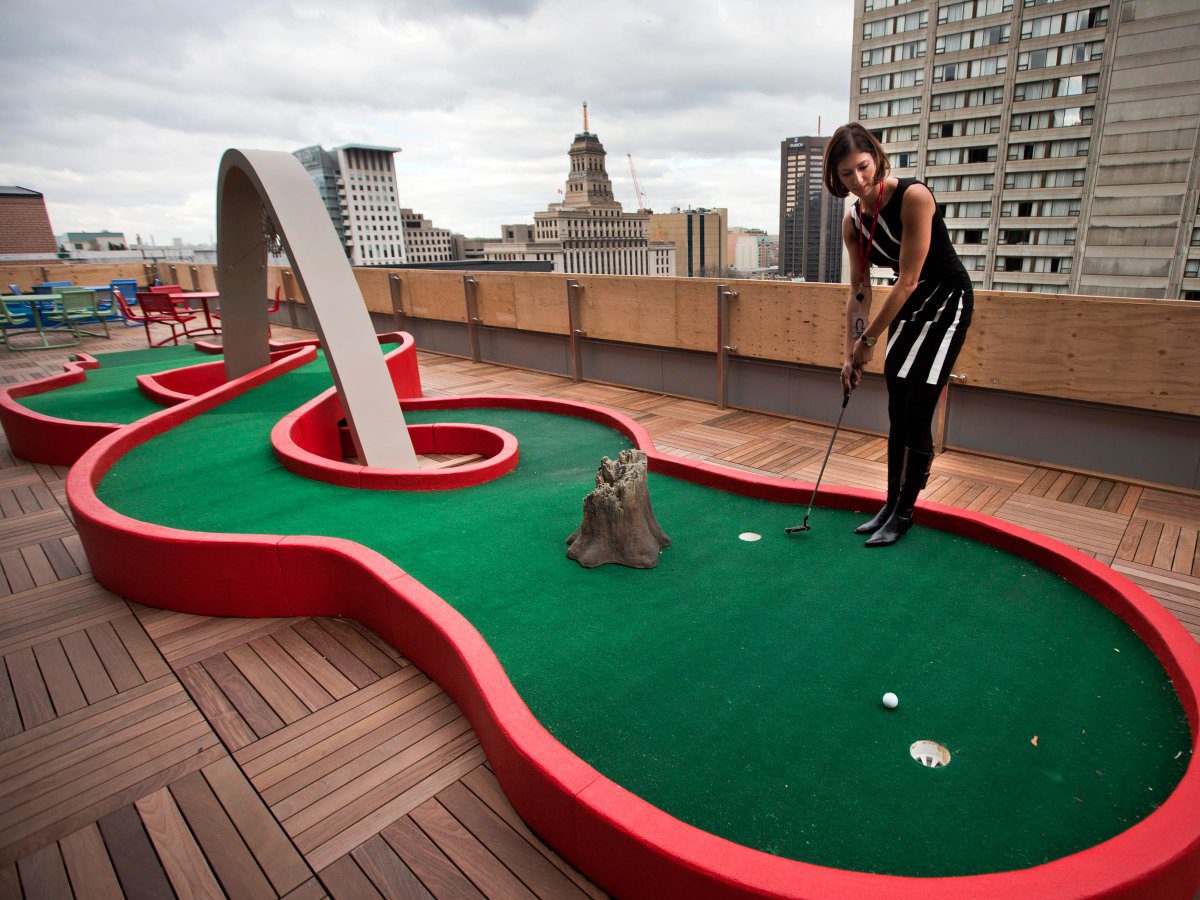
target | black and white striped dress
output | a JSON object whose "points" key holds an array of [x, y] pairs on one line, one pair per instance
{"points": [[927, 333]]}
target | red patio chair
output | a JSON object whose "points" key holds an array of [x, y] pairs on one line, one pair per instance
{"points": [[155, 309]]}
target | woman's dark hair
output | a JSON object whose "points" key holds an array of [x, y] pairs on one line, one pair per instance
{"points": [[852, 138]]}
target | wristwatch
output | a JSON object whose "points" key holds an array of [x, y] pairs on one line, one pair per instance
{"points": [[869, 341]]}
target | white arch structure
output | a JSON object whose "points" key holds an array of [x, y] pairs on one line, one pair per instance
{"points": [[253, 185]]}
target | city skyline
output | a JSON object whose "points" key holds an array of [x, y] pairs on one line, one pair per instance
{"points": [[483, 99]]}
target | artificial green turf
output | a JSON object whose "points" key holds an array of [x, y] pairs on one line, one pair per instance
{"points": [[737, 685], [110, 393]]}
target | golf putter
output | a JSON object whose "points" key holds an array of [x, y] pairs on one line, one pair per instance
{"points": [[804, 526]]}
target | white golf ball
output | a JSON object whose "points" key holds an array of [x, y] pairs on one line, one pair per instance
{"points": [[890, 700]]}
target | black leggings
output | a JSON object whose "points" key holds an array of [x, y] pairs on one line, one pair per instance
{"points": [[911, 404]]}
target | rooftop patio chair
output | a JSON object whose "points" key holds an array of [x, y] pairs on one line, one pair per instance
{"points": [[22, 306], [106, 305], [77, 306], [136, 315], [158, 309], [14, 317]]}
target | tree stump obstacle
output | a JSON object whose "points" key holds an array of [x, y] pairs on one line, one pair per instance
{"points": [[618, 521]]}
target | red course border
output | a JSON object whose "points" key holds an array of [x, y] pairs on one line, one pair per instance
{"points": [[628, 846], [46, 439]]}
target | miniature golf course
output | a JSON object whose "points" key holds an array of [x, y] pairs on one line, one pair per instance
{"points": [[736, 686]]}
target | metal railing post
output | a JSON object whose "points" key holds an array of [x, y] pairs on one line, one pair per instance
{"points": [[396, 287], [194, 274], [472, 316], [941, 413], [289, 282], [575, 332], [724, 295]]}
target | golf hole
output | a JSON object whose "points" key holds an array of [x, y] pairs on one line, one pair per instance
{"points": [[930, 753], [750, 536]]}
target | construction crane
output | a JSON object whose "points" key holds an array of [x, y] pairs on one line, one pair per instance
{"points": [[637, 188]]}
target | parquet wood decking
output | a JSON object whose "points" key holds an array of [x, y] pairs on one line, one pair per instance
{"points": [[149, 753]]}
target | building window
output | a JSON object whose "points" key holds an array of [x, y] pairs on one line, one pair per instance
{"points": [[1060, 56], [1054, 118], [1063, 23], [967, 40], [974, 68]]}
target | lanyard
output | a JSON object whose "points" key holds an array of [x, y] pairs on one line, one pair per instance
{"points": [[865, 242]]}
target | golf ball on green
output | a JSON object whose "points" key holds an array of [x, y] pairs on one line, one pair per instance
{"points": [[890, 700]]}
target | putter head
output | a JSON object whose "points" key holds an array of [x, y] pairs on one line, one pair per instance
{"points": [[796, 529]]}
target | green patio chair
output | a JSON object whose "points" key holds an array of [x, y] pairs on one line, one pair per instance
{"points": [[77, 306], [14, 317]]}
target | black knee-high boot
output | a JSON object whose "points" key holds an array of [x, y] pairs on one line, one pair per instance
{"points": [[895, 470], [916, 472]]}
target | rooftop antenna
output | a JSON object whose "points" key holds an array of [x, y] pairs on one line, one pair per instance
{"points": [[818, 126], [585, 117]]}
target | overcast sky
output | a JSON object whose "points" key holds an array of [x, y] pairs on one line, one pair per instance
{"points": [[119, 112]]}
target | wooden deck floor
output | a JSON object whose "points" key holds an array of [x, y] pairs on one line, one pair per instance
{"points": [[145, 752]]}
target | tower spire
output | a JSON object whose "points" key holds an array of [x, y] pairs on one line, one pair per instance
{"points": [[585, 117]]}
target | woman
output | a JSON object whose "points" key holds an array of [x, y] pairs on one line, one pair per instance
{"points": [[926, 311]]}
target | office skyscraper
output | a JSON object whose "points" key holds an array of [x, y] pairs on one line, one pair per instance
{"points": [[1059, 136], [810, 219], [357, 183]]}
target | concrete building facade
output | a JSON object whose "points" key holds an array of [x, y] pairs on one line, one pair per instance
{"points": [[588, 232], [700, 236], [749, 249], [423, 241], [810, 219], [1060, 138]]}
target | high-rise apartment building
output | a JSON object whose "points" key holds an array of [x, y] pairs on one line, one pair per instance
{"points": [[588, 232], [1060, 137], [810, 219], [357, 183], [700, 236]]}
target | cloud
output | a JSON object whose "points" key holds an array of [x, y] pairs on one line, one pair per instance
{"points": [[120, 114]]}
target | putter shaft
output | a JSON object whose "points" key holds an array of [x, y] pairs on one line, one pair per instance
{"points": [[804, 526]]}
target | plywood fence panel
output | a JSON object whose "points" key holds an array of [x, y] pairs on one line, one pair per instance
{"points": [[695, 312], [660, 312], [1097, 349], [23, 276], [376, 289], [801, 324], [495, 298], [541, 302], [433, 295]]}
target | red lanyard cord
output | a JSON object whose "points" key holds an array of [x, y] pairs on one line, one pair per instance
{"points": [[865, 242]]}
